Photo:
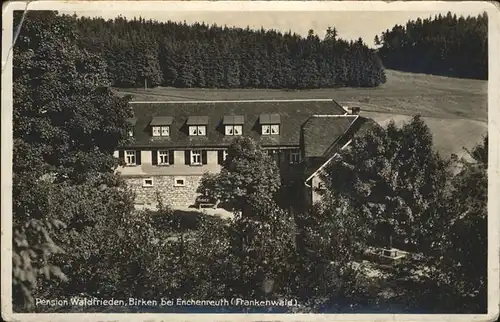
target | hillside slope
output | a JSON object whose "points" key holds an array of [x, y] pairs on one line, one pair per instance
{"points": [[404, 93], [450, 135]]}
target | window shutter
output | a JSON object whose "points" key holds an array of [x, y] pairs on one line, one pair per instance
{"points": [[121, 155], [187, 156], [204, 157], [171, 156], [154, 157], [220, 157], [138, 157]]}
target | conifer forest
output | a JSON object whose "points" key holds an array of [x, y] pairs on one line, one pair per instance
{"points": [[444, 45]]}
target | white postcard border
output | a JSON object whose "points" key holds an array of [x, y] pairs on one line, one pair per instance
{"points": [[216, 6]]}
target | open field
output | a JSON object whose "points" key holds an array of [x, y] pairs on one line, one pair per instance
{"points": [[450, 135], [404, 93], [455, 109]]}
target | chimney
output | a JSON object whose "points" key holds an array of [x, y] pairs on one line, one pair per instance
{"points": [[355, 110]]}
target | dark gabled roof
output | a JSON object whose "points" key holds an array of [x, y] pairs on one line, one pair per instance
{"points": [[269, 119], [233, 120], [293, 114], [197, 120], [359, 127], [321, 132], [161, 120]]}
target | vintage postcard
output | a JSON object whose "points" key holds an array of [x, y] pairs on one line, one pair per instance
{"points": [[250, 161]]}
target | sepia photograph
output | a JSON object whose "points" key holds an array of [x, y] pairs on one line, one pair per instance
{"points": [[250, 160]]}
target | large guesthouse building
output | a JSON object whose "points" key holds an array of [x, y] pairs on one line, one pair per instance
{"points": [[174, 143]]}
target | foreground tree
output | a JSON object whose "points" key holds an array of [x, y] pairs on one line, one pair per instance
{"points": [[67, 124], [466, 249], [332, 237], [391, 183], [249, 178], [398, 183], [262, 236]]}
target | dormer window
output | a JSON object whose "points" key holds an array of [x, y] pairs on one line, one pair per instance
{"points": [[131, 122], [234, 129], [161, 130], [160, 125], [270, 124], [197, 125], [197, 130], [233, 124]]}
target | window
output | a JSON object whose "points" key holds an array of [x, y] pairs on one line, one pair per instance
{"points": [[179, 182], [195, 157], [130, 157], [163, 158], [271, 129], [161, 130], [234, 129], [148, 182], [224, 155], [274, 154], [294, 157], [197, 130], [266, 129], [321, 186], [238, 130]]}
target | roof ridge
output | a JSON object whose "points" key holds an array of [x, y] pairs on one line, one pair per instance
{"points": [[332, 115], [237, 101]]}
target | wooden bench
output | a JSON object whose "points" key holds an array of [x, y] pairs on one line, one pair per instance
{"points": [[205, 203]]}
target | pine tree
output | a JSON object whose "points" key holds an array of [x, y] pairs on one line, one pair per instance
{"points": [[444, 45], [186, 74]]}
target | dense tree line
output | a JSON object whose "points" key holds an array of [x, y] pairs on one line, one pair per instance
{"points": [[444, 45], [143, 52]]}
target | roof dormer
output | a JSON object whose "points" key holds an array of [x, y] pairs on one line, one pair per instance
{"points": [[270, 124], [131, 122], [160, 125], [197, 125], [233, 124]]}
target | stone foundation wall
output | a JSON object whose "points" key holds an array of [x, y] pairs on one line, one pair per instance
{"points": [[172, 194]]}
